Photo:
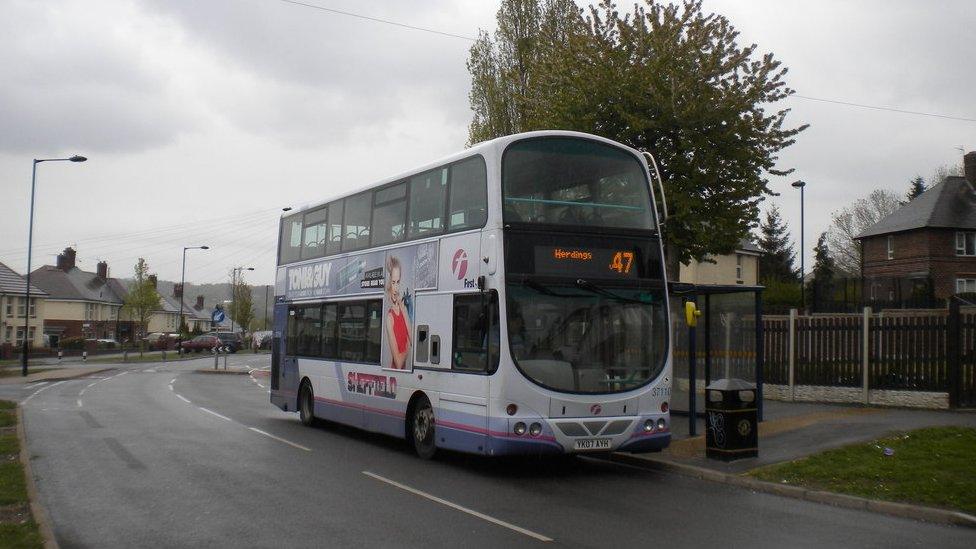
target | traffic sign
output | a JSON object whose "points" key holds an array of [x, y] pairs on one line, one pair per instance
{"points": [[217, 315]]}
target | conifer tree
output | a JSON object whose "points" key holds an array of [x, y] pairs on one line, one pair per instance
{"points": [[777, 262], [916, 188]]}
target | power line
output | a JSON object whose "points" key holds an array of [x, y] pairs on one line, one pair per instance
{"points": [[879, 108], [378, 20]]}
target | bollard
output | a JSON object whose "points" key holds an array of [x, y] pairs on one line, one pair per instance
{"points": [[216, 358], [164, 355], [125, 355], [84, 356], [225, 361], [60, 355]]}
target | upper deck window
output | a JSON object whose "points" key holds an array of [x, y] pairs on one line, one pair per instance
{"points": [[315, 234], [356, 222], [469, 198], [428, 192], [576, 182], [290, 248]]}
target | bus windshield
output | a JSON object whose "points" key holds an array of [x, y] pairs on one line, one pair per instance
{"points": [[582, 339], [574, 181]]}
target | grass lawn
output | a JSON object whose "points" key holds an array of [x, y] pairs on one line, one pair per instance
{"points": [[13, 488], [934, 466]]}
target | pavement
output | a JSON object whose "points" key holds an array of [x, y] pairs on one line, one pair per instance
{"points": [[158, 455], [792, 430]]}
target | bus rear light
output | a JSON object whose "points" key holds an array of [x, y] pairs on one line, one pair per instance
{"points": [[519, 428], [535, 429], [511, 409], [661, 424], [649, 426], [664, 407]]}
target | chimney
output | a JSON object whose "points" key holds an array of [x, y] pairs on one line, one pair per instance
{"points": [[199, 304], [102, 270], [178, 291], [969, 160], [153, 280], [66, 259]]}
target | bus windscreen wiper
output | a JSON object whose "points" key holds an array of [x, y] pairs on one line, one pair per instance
{"points": [[591, 287]]}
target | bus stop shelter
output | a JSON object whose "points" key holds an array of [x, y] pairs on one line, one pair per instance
{"points": [[727, 343]]}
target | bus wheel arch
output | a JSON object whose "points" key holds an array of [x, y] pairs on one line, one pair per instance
{"points": [[306, 402], [420, 418]]}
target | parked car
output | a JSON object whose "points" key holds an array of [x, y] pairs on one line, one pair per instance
{"points": [[200, 343]]}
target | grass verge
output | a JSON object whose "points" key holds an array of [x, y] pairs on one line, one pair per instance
{"points": [[16, 529], [933, 466]]}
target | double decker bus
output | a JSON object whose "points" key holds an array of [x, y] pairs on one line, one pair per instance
{"points": [[509, 299]]}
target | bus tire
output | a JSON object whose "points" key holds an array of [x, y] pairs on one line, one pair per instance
{"points": [[420, 430], [306, 404]]}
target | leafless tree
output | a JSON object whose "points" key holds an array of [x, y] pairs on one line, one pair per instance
{"points": [[851, 221]]}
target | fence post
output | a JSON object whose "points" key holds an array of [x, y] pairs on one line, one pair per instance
{"points": [[760, 354], [953, 351], [792, 345], [865, 353]]}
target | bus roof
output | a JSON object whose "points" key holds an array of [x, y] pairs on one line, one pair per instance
{"points": [[481, 148]]}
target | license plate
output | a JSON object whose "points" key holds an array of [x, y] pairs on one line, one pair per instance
{"points": [[593, 444]]}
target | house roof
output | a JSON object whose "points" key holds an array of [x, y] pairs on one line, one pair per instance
{"points": [[78, 285], [951, 205], [13, 283], [747, 245]]}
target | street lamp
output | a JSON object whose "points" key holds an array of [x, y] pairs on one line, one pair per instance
{"points": [[179, 328], [803, 297], [233, 294], [30, 241]]}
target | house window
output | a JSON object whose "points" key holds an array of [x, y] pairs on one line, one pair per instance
{"points": [[891, 247], [33, 307], [965, 243], [965, 285], [10, 307], [20, 336], [738, 268], [10, 333]]}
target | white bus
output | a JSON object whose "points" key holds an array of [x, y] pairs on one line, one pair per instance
{"points": [[509, 299]]}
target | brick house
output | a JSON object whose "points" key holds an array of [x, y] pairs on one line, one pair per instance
{"points": [[926, 246], [81, 303], [12, 305]]}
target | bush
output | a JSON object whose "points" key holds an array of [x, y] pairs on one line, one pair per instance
{"points": [[72, 343]]}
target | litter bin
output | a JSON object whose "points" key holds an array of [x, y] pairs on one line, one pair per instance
{"points": [[731, 422]]}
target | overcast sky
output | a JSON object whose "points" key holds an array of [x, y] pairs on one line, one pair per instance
{"points": [[203, 118]]}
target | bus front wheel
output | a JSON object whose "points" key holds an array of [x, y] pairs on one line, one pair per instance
{"points": [[306, 405], [422, 428]]}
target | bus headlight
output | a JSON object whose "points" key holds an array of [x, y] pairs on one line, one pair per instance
{"points": [[649, 425], [520, 428], [661, 424], [535, 429]]}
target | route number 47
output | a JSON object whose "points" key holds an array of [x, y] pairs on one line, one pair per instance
{"points": [[622, 261]]}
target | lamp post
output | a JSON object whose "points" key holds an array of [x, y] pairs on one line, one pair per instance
{"points": [[179, 338], [30, 241], [803, 295], [233, 293]]}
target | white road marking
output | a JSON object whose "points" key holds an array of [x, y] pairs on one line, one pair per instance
{"points": [[79, 403], [151, 370], [181, 397], [170, 386], [461, 508], [40, 384], [37, 392], [215, 413], [279, 439], [261, 386], [172, 381]]}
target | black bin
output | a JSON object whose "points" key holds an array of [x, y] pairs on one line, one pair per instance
{"points": [[731, 421]]}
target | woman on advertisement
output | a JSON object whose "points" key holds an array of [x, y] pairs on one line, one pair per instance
{"points": [[398, 329]]}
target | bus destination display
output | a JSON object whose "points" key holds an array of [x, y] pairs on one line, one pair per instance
{"points": [[586, 261]]}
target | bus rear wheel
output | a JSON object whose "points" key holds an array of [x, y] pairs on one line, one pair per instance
{"points": [[422, 428], [306, 405]]}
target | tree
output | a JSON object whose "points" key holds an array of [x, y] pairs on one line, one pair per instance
{"points": [[824, 270], [141, 300], [665, 78], [853, 220], [777, 262], [242, 307], [916, 188]]}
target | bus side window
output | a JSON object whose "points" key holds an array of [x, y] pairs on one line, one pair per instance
{"points": [[476, 336], [290, 245], [334, 242], [469, 194]]}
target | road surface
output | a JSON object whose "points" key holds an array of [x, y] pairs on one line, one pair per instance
{"points": [[158, 455]]}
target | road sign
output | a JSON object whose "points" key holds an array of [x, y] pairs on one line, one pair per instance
{"points": [[217, 315]]}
